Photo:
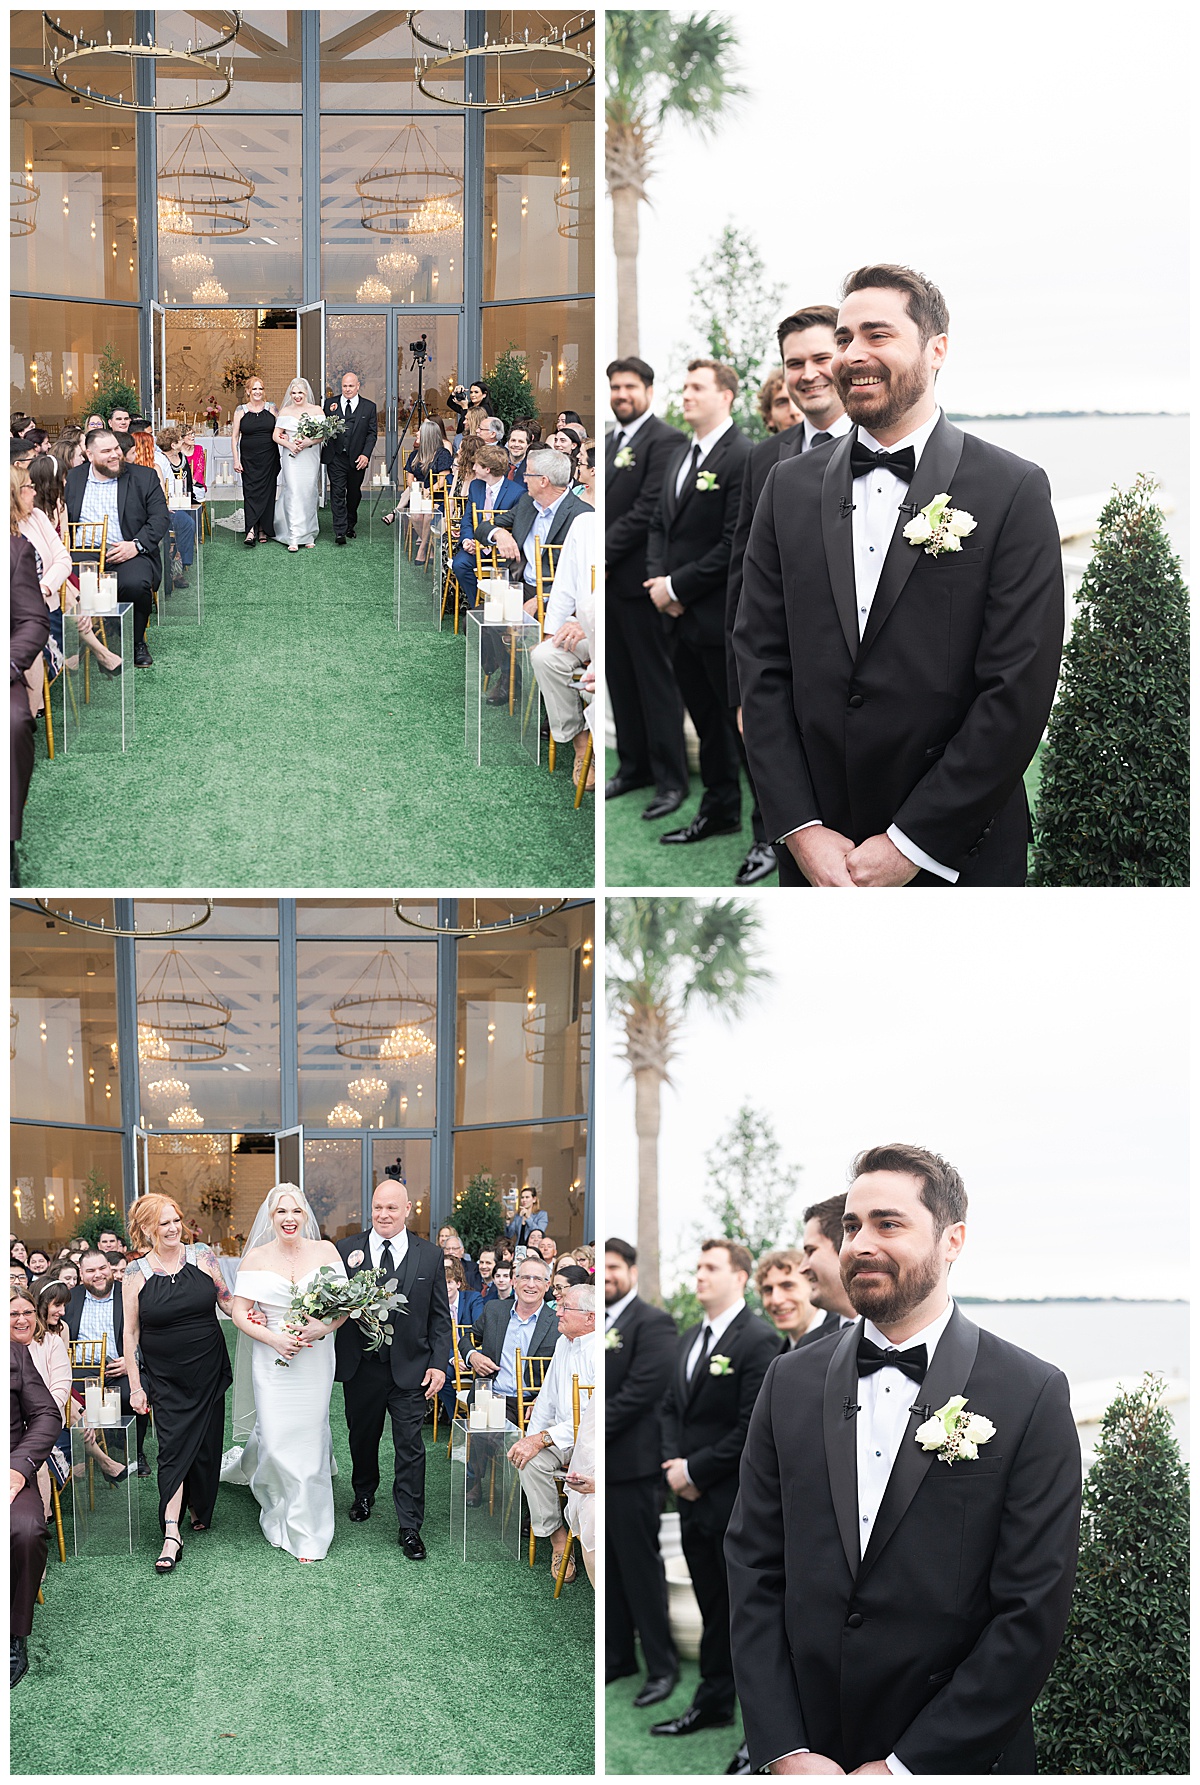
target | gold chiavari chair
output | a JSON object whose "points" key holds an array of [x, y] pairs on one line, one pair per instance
{"points": [[88, 1356], [545, 563], [578, 1389], [455, 509], [464, 1376], [89, 537], [527, 1392]]}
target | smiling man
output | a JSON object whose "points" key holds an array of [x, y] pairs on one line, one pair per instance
{"points": [[900, 624], [784, 1293], [902, 1552]]}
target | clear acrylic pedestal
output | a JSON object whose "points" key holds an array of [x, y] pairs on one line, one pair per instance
{"points": [[485, 1490], [509, 732], [92, 710], [182, 604], [105, 1514]]}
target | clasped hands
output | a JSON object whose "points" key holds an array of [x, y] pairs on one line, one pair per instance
{"points": [[662, 597], [821, 1763], [826, 858], [677, 1479]]}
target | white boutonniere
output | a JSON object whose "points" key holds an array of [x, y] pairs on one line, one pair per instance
{"points": [[719, 1365], [706, 480], [954, 1434], [354, 1260], [624, 460], [940, 528], [612, 1339]]}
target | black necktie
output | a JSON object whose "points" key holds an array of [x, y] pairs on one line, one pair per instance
{"points": [[346, 407], [819, 440], [692, 466], [902, 463], [913, 1363], [386, 1262], [619, 442], [706, 1339]]}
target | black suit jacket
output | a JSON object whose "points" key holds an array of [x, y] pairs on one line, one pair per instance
{"points": [[632, 497], [492, 1325], [936, 1643], [422, 1335], [705, 1420], [820, 1329], [75, 1312], [930, 722], [361, 435], [521, 518], [691, 536], [637, 1372], [142, 509]]}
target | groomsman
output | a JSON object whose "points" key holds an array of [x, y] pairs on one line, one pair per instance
{"points": [[899, 1591], [894, 689], [806, 346], [647, 706], [822, 1270], [639, 1355], [719, 1369], [784, 1295], [687, 560]]}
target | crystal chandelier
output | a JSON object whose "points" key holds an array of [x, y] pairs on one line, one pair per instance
{"points": [[405, 1044], [186, 1018], [151, 1045], [23, 200], [380, 1003], [435, 217], [344, 1115], [400, 262], [210, 291], [173, 220], [368, 1090], [187, 266], [374, 291], [409, 174], [185, 1117], [167, 1087]]}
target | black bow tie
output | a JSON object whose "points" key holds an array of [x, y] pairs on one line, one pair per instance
{"points": [[901, 464], [914, 1363]]}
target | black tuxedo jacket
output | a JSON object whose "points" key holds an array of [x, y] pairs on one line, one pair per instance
{"points": [[820, 1329], [705, 1420], [636, 1375], [522, 517], [492, 1325], [142, 509], [935, 1644], [930, 722], [632, 498], [423, 1336], [361, 435], [79, 1296], [691, 536]]}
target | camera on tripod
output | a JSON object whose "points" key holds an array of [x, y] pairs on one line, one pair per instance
{"points": [[420, 349]]}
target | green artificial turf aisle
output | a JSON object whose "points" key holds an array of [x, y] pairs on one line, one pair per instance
{"points": [[630, 1748], [298, 739], [245, 1661]]}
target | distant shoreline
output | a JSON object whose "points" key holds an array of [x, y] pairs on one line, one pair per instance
{"points": [[1047, 1301], [1074, 415]]}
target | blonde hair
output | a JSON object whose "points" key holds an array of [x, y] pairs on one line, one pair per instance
{"points": [[144, 1217], [299, 384], [17, 474]]}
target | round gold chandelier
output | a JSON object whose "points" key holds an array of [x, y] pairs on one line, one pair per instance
{"points": [[23, 202], [478, 926], [74, 58], [411, 189], [380, 1005], [543, 64], [183, 1012], [200, 191]]}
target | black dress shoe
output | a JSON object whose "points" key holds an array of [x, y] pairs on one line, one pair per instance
{"points": [[19, 1663], [410, 1543], [143, 1467], [663, 804], [760, 864], [350, 533], [610, 1674], [497, 697], [622, 784], [142, 657], [699, 830], [360, 1509], [741, 1760], [657, 1687], [339, 539], [689, 1721]]}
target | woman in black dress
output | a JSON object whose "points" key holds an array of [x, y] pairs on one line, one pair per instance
{"points": [[171, 1295], [256, 460]]}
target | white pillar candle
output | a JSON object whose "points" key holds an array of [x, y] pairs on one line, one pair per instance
{"points": [[498, 1413], [93, 1403], [478, 1420], [112, 1407], [108, 592], [88, 583]]}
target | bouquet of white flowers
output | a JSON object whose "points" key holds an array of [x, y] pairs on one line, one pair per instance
{"points": [[363, 1297], [322, 428]]}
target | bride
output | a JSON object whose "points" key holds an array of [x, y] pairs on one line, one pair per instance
{"points": [[300, 469], [283, 1415]]}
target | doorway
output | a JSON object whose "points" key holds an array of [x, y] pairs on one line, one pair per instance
{"points": [[200, 359], [377, 344]]}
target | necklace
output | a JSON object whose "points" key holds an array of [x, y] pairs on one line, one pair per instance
{"points": [[166, 1269]]}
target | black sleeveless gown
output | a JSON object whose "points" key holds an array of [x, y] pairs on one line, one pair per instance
{"points": [[260, 470], [185, 1373]]}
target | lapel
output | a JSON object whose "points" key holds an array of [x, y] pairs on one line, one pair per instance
{"points": [[674, 504], [682, 1384], [938, 464], [791, 442], [710, 463], [838, 538], [408, 1266], [952, 1363], [841, 1453]]}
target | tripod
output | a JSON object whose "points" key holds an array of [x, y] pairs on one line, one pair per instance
{"points": [[416, 415]]}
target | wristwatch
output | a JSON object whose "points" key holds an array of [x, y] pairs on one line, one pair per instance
{"points": [[546, 1440]]}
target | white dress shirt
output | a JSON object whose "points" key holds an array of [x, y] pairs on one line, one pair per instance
{"points": [[613, 1314], [627, 429], [347, 405], [398, 1243], [554, 1411], [720, 1324], [571, 592], [835, 430]]}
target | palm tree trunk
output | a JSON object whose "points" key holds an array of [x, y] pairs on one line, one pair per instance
{"points": [[647, 1115], [625, 202]]}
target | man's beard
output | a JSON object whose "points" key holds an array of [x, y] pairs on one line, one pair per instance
{"points": [[899, 1294], [903, 391]]}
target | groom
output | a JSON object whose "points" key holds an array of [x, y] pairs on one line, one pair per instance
{"points": [[399, 1378], [346, 458], [892, 1610], [893, 696]]}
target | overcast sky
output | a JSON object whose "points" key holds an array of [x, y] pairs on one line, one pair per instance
{"points": [[1032, 160], [1045, 1057]]}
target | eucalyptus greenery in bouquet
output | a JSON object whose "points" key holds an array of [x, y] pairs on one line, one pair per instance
{"points": [[364, 1298], [323, 428]]}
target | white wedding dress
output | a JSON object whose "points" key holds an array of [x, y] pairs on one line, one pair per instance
{"points": [[288, 1459], [296, 500]]}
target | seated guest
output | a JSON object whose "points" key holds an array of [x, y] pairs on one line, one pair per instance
{"points": [[117, 1262], [68, 1273], [503, 1328], [517, 449], [18, 1252], [193, 452], [580, 1483], [118, 421], [544, 515], [550, 1435], [492, 492], [34, 1424], [67, 450], [466, 1306], [96, 1310], [39, 514], [583, 467], [94, 421], [501, 1286], [39, 1262], [138, 518], [146, 452], [173, 463], [450, 1240], [565, 1277], [492, 431], [52, 1305], [29, 628], [569, 418], [38, 439], [548, 1251], [565, 649], [527, 1218], [464, 463], [21, 453], [485, 1264], [50, 1360], [427, 464], [20, 423], [585, 1256]]}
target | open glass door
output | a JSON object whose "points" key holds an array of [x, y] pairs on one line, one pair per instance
{"points": [[289, 1156], [310, 346], [141, 1158], [158, 361]]}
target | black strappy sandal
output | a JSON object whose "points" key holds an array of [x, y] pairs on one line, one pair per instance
{"points": [[162, 1565]]}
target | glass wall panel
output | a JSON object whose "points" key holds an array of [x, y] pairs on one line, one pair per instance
{"points": [[333, 1185], [552, 1157], [539, 199], [360, 917], [74, 231], [200, 1172], [59, 1176], [231, 917], [265, 57], [525, 1021], [441, 368], [368, 59], [557, 342], [410, 1159], [63, 1019], [396, 992], [399, 258], [261, 264], [239, 1088], [358, 344], [54, 358]]}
